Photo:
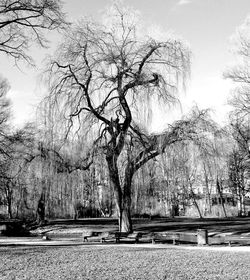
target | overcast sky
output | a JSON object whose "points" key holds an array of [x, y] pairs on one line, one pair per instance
{"points": [[206, 25]]}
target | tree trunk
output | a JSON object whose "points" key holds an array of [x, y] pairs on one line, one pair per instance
{"points": [[239, 201], [41, 208], [122, 198], [10, 216], [221, 196], [126, 221], [208, 199], [8, 193], [124, 214], [196, 204], [115, 183]]}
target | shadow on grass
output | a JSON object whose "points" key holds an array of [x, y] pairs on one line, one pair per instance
{"points": [[236, 225], [181, 224]]}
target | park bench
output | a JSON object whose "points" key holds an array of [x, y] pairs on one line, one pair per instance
{"points": [[174, 237], [128, 236], [229, 239], [164, 236], [243, 240], [118, 236], [110, 236], [107, 236], [89, 234], [98, 236]]}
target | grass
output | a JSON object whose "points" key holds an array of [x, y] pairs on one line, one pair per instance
{"points": [[120, 262], [128, 262]]}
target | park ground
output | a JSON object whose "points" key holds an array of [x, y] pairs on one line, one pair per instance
{"points": [[130, 261], [122, 262]]}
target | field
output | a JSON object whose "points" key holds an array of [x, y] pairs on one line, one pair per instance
{"points": [[130, 261], [122, 262]]}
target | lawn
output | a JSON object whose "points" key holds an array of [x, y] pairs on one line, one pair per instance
{"points": [[121, 262]]}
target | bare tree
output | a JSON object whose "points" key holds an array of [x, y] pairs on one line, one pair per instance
{"points": [[23, 22], [240, 115], [97, 79], [15, 147]]}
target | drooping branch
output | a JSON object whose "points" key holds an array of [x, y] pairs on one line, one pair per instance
{"points": [[61, 163], [193, 129]]}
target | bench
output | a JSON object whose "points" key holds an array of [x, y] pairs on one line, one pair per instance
{"points": [[89, 233], [175, 237], [107, 236], [110, 236], [229, 239], [128, 236], [98, 236], [164, 236], [118, 236], [237, 239]]}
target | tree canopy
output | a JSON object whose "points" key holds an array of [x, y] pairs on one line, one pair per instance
{"points": [[23, 22]]}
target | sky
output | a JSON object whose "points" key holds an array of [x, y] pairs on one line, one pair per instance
{"points": [[207, 26]]}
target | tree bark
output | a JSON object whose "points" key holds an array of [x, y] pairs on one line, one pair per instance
{"points": [[196, 204], [115, 183], [208, 198], [8, 193], [221, 196], [122, 198], [126, 221], [41, 208]]}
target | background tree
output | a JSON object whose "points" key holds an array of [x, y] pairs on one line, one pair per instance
{"points": [[239, 165], [12, 174], [24, 22]]}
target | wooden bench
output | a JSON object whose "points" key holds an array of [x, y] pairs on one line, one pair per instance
{"points": [[229, 239], [107, 236], [110, 236], [98, 236], [89, 233], [237, 239], [164, 236], [175, 237], [128, 236]]}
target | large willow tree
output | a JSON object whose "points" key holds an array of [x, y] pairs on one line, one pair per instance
{"points": [[100, 75]]}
